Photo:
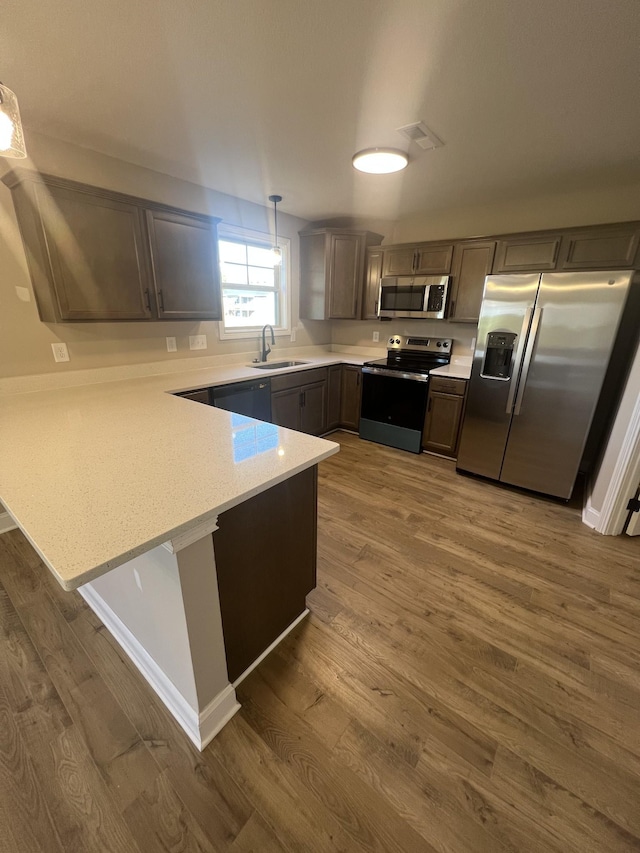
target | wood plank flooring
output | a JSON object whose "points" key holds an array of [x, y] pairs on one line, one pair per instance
{"points": [[468, 682]]}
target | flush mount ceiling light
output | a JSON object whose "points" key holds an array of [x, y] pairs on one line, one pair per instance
{"points": [[380, 161], [276, 252], [11, 136]]}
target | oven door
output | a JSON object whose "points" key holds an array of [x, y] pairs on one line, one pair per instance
{"points": [[393, 410]]}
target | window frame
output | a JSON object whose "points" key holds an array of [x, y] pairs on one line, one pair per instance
{"points": [[247, 235]]}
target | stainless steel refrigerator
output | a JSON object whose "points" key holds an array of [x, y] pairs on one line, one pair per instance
{"points": [[543, 348]]}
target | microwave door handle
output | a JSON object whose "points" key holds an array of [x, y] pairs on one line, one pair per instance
{"points": [[517, 360], [425, 303], [531, 343]]}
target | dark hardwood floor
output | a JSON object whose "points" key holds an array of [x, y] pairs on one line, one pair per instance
{"points": [[468, 680]]}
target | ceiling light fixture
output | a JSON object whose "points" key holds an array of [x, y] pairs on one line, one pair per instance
{"points": [[380, 161], [276, 251], [11, 136]]}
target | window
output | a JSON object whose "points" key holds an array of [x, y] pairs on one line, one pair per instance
{"points": [[254, 291]]}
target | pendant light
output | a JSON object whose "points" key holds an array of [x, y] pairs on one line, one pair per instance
{"points": [[277, 254], [11, 136]]}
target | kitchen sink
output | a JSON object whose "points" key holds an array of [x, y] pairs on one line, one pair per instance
{"points": [[274, 365]]}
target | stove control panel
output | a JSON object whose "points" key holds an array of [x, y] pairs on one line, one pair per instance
{"points": [[400, 342]]}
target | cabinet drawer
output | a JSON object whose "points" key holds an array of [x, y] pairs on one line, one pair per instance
{"points": [[448, 386], [298, 379]]}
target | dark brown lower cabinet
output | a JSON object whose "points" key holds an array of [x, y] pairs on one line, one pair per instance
{"points": [[299, 400], [334, 395], [285, 408], [313, 408], [445, 406], [351, 396], [265, 552]]}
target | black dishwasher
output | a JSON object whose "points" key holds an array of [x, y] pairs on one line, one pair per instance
{"points": [[252, 399]]}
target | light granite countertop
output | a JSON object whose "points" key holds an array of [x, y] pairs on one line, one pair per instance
{"points": [[459, 368], [97, 474]]}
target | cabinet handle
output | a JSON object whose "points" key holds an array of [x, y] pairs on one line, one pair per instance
{"points": [[147, 298], [303, 399], [375, 308], [358, 379], [429, 405], [452, 308], [160, 300], [414, 267]]}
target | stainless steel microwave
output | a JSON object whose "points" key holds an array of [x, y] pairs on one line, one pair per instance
{"points": [[416, 296]]}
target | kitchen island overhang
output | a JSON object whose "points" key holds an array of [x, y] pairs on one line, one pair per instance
{"points": [[92, 493]]}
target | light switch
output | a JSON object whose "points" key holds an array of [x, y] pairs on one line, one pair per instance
{"points": [[197, 341]]}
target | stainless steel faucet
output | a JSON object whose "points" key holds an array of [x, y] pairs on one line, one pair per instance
{"points": [[265, 348]]}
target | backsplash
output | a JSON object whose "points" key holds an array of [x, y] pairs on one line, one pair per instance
{"points": [[359, 333]]}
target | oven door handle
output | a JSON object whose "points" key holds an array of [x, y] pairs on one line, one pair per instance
{"points": [[397, 374]]}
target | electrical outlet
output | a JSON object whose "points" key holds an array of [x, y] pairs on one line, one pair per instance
{"points": [[171, 345], [293, 336], [376, 337], [60, 352], [197, 341]]}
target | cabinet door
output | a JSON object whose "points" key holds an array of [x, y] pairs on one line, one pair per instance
{"points": [[313, 408], [334, 390], [471, 264], [527, 253], [98, 255], [442, 423], [351, 396], [345, 276], [186, 272], [599, 248], [372, 284], [285, 408], [400, 261], [434, 260]]}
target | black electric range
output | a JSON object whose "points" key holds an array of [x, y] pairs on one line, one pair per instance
{"points": [[395, 390]]}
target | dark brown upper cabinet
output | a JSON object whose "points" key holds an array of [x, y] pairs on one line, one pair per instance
{"points": [[86, 254], [332, 272], [373, 274], [184, 255], [527, 253], [472, 262], [418, 259], [601, 248], [89, 252]]}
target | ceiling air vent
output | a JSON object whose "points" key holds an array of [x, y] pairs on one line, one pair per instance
{"points": [[418, 132]]}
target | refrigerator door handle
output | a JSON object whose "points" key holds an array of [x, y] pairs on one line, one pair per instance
{"points": [[518, 359], [533, 334]]}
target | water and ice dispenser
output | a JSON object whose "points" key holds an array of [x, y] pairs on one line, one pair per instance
{"points": [[498, 355]]}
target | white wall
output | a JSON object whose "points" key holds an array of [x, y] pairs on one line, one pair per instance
{"points": [[524, 213]]}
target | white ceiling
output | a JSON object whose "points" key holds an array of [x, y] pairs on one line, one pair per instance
{"points": [[253, 97]]}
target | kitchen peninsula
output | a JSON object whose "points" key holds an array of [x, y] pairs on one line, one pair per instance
{"points": [[119, 486]]}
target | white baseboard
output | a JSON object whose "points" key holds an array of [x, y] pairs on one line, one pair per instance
{"points": [[217, 714], [6, 523], [270, 648], [590, 516], [201, 727]]}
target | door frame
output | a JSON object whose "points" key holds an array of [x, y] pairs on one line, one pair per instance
{"points": [[611, 518]]}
